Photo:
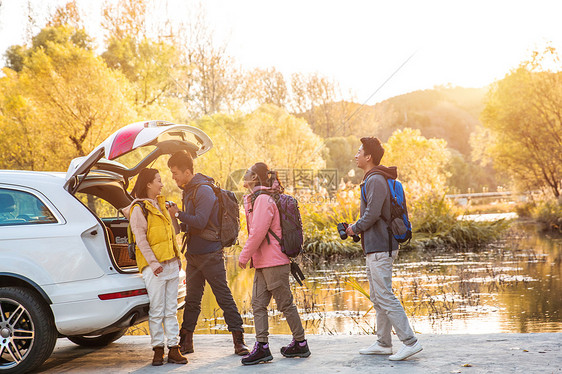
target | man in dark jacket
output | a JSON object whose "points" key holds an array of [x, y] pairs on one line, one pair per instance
{"points": [[205, 261], [375, 212]]}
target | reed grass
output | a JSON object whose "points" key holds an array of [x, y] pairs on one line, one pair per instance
{"points": [[434, 220], [548, 214]]}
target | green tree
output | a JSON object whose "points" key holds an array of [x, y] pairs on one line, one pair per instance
{"points": [[464, 174], [340, 156], [524, 117]]}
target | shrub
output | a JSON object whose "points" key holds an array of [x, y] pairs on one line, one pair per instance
{"points": [[548, 214], [435, 225]]}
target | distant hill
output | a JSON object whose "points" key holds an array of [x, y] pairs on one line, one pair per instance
{"points": [[450, 113]]}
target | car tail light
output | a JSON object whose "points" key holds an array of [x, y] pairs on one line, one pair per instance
{"points": [[122, 294]]}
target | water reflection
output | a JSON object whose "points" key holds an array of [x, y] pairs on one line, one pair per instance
{"points": [[512, 287]]}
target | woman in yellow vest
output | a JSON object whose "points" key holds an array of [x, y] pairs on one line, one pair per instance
{"points": [[158, 259]]}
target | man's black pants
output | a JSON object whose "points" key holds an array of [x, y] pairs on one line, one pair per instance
{"points": [[208, 267]]}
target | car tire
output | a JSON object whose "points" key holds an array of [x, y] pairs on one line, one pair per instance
{"points": [[97, 341], [27, 330]]}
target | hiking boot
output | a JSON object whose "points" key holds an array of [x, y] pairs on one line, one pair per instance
{"points": [[186, 341], [376, 349], [240, 347], [296, 349], [260, 353], [158, 358], [406, 351], [174, 355]]}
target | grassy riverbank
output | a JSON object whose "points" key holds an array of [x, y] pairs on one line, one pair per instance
{"points": [[547, 213], [435, 222]]}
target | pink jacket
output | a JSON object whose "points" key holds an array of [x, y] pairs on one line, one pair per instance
{"points": [[264, 216]]}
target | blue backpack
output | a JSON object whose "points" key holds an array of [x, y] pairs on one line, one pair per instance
{"points": [[399, 225]]}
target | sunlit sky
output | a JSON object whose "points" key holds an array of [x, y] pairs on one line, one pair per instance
{"points": [[361, 43]]}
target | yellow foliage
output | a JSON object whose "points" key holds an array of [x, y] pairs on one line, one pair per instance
{"points": [[63, 103], [421, 162]]}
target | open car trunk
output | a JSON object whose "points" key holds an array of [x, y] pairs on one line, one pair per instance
{"points": [[105, 195], [101, 181]]}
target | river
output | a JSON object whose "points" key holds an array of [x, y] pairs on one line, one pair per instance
{"points": [[511, 286]]}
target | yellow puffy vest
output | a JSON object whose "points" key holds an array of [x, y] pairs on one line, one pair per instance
{"points": [[160, 234]]}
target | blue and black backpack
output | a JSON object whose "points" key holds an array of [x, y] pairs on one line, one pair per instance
{"points": [[399, 226]]}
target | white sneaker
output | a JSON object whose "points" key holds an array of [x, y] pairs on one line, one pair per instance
{"points": [[406, 351], [376, 349]]}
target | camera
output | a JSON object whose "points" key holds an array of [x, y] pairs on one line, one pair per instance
{"points": [[342, 227]]}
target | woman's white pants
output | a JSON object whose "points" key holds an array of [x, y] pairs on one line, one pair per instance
{"points": [[163, 296]]}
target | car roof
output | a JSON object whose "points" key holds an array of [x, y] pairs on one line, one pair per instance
{"points": [[31, 178]]}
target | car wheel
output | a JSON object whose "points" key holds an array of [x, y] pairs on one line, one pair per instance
{"points": [[27, 330], [97, 341]]}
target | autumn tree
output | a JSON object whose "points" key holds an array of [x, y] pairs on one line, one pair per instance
{"points": [[233, 148], [312, 96], [125, 19], [67, 14], [147, 64], [269, 134], [46, 39], [22, 139], [214, 81], [211, 82], [524, 118], [267, 86], [70, 98], [421, 162]]}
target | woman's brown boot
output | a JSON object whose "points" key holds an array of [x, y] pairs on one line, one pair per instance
{"points": [[158, 358], [174, 355]]}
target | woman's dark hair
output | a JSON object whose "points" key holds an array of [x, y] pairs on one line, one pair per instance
{"points": [[266, 177], [146, 176]]}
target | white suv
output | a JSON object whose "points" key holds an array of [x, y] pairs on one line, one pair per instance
{"points": [[64, 269]]}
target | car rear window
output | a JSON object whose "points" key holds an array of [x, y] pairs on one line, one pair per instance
{"points": [[23, 208]]}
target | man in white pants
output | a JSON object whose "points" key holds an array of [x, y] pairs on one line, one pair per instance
{"points": [[375, 212]]}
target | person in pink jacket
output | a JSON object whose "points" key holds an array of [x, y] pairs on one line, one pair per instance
{"points": [[264, 253]]}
